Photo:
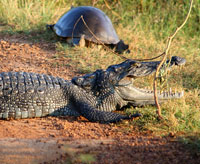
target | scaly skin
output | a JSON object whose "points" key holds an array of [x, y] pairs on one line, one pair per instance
{"points": [[94, 96]]}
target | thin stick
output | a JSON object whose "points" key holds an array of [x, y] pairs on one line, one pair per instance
{"points": [[164, 58], [123, 57], [74, 28]]}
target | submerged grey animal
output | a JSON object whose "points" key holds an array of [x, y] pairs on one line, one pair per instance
{"points": [[89, 24], [94, 96]]}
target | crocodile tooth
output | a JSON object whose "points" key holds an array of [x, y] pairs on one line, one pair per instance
{"points": [[182, 92]]}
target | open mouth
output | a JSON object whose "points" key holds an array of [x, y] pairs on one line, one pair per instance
{"points": [[138, 96], [128, 91]]}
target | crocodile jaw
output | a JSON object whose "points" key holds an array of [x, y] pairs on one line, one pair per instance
{"points": [[140, 97]]}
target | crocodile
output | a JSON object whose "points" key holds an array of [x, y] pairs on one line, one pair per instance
{"points": [[94, 96]]}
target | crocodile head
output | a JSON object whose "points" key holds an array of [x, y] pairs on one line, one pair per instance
{"points": [[118, 81], [137, 96]]}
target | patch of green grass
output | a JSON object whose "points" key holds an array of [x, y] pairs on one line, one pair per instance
{"points": [[30, 15], [87, 158], [85, 58], [74, 156]]}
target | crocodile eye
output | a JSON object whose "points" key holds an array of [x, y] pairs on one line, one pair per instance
{"points": [[136, 64], [78, 80], [117, 69]]}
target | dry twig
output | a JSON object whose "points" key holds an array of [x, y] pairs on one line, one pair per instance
{"points": [[163, 60], [106, 47]]}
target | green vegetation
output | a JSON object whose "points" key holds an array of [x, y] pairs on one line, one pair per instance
{"points": [[145, 26], [77, 157]]}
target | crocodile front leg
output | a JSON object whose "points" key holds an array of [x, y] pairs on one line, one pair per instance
{"points": [[83, 103], [95, 115]]}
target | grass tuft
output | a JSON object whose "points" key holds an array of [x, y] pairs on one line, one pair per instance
{"points": [[30, 15]]}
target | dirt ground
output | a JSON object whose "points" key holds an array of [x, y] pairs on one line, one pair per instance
{"points": [[63, 139]]}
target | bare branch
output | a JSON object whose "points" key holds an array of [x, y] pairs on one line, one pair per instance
{"points": [[106, 47], [164, 58]]}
